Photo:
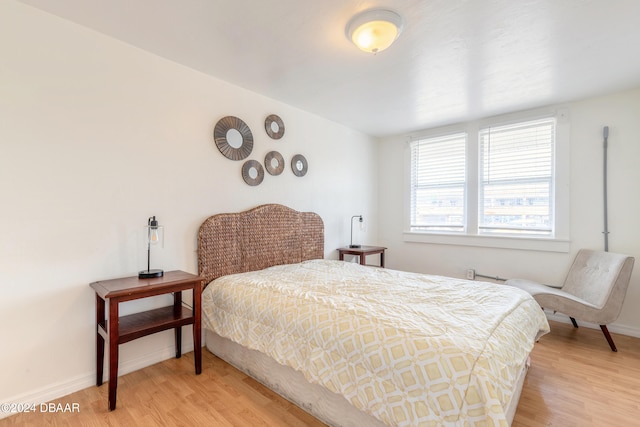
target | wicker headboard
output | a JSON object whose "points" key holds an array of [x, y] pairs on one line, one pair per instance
{"points": [[258, 238]]}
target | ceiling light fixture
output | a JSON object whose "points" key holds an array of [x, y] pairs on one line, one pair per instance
{"points": [[374, 30]]}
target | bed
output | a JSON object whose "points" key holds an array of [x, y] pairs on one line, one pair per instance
{"points": [[356, 345]]}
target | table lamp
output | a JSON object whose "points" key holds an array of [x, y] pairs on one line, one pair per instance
{"points": [[155, 237]]}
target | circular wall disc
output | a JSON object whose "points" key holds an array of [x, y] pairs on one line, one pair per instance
{"points": [[220, 132], [252, 172], [274, 163], [299, 165], [274, 126]]}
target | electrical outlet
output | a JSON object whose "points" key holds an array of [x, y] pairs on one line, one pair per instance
{"points": [[471, 274]]}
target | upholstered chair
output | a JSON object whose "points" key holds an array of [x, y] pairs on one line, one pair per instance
{"points": [[593, 291]]}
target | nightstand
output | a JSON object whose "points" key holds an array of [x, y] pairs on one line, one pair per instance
{"points": [[362, 252], [119, 330]]}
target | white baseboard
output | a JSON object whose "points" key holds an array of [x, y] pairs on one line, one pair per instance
{"points": [[63, 388]]}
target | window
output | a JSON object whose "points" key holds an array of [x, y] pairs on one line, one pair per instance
{"points": [[516, 178], [438, 171], [488, 184]]}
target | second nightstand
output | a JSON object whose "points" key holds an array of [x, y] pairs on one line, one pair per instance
{"points": [[362, 252]]}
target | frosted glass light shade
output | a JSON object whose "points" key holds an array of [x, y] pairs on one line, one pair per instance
{"points": [[374, 30]]}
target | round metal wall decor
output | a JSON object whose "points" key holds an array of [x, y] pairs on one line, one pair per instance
{"points": [[299, 165], [274, 163], [233, 138], [274, 126], [252, 172]]}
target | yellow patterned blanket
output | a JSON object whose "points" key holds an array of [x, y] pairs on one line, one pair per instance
{"points": [[409, 349]]}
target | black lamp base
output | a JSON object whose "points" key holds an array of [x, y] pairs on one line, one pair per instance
{"points": [[355, 246], [146, 274]]}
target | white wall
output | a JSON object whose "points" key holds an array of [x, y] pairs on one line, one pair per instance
{"points": [[95, 137], [82, 118], [621, 112]]}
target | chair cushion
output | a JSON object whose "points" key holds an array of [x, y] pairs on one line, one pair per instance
{"points": [[593, 276], [557, 300], [593, 291]]}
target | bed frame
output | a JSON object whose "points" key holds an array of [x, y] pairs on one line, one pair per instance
{"points": [[262, 237], [255, 239]]}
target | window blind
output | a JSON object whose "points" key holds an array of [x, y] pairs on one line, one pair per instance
{"points": [[438, 174], [517, 178]]}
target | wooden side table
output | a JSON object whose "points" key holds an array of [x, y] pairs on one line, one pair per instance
{"points": [[362, 252], [119, 330]]}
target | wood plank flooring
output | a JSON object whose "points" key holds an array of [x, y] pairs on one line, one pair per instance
{"points": [[574, 380]]}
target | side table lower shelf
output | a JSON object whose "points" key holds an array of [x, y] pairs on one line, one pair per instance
{"points": [[139, 325]]}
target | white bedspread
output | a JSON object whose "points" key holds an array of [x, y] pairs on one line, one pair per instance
{"points": [[410, 349]]}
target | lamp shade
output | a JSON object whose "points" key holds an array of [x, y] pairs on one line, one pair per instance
{"points": [[361, 221], [374, 30], [154, 237]]}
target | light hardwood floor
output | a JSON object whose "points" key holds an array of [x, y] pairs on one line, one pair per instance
{"points": [[574, 380]]}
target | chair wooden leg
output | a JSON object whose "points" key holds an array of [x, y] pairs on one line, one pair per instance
{"points": [[575, 325], [607, 335]]}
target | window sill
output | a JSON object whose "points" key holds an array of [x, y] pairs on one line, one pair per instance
{"points": [[501, 242]]}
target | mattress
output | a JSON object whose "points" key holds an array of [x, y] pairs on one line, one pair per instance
{"points": [[406, 348]]}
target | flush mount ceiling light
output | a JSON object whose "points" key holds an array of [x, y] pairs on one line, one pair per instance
{"points": [[374, 30]]}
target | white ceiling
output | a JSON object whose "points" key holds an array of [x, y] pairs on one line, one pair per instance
{"points": [[456, 59]]}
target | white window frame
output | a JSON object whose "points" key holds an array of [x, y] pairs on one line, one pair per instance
{"points": [[453, 228], [558, 242], [514, 176]]}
